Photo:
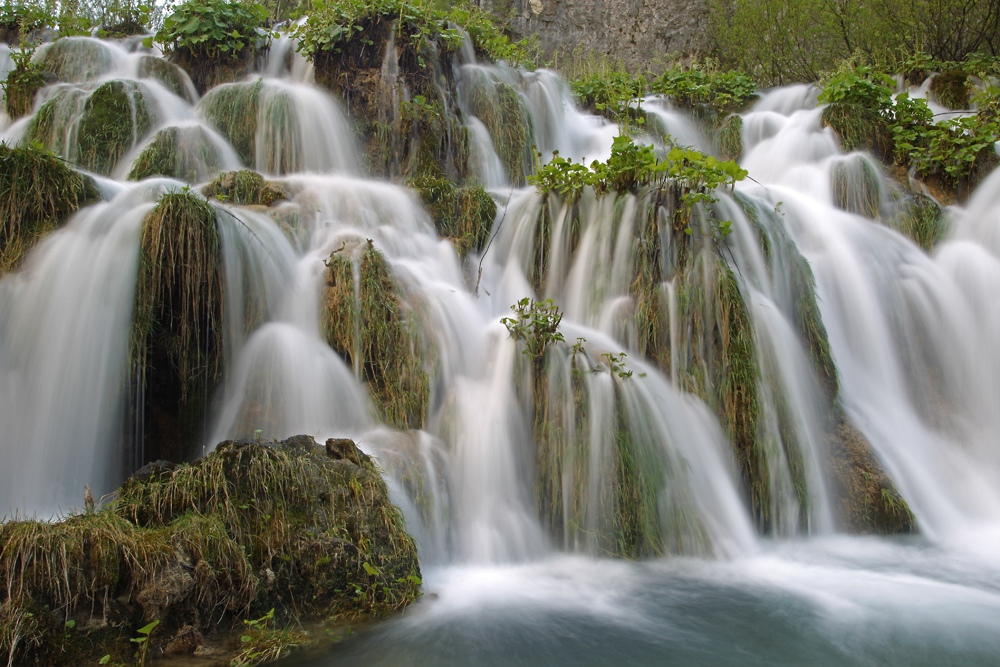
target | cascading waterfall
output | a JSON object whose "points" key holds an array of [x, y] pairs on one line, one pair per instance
{"points": [[514, 469]]}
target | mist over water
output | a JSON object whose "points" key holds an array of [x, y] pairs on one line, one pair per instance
{"points": [[911, 334]]}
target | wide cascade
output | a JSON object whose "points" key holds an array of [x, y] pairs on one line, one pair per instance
{"points": [[549, 378]]}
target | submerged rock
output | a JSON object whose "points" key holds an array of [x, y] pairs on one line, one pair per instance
{"points": [[248, 528]]}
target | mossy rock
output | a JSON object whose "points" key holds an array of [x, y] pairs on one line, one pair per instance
{"points": [[185, 153], [857, 186], [20, 88], [865, 497], [922, 220], [170, 75], [75, 59], [389, 352], [730, 137], [38, 191], [245, 188], [232, 109], [951, 89], [408, 119], [179, 546], [113, 118], [463, 215], [860, 128]]}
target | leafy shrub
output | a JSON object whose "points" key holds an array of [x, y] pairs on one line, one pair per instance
{"points": [[632, 166], [331, 25], [214, 29], [22, 83]]}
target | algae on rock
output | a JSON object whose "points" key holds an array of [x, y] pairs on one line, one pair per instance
{"points": [[180, 546], [367, 322], [38, 191]]}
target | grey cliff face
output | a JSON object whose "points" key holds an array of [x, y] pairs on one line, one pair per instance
{"points": [[634, 32]]}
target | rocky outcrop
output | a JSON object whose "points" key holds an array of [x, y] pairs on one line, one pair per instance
{"points": [[633, 32], [194, 549]]}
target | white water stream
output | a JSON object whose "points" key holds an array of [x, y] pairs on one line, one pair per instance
{"points": [[912, 336]]}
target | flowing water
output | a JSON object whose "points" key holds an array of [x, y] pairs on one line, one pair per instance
{"points": [[514, 544]]}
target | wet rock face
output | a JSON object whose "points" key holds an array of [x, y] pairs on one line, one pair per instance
{"points": [[631, 31]]}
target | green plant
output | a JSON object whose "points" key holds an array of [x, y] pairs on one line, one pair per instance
{"points": [[537, 324], [858, 84], [263, 643], [214, 29], [616, 364], [22, 82], [142, 642]]}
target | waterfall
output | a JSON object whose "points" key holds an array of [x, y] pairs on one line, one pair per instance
{"points": [[627, 438]]}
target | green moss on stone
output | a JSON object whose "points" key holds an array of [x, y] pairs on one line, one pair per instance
{"points": [[245, 188], [464, 215], [232, 108]]}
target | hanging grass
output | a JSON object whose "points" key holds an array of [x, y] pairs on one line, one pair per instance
{"points": [[498, 106], [921, 219], [232, 109], [180, 290], [245, 188], [185, 153], [857, 186], [463, 215], [38, 191], [370, 326], [809, 321], [730, 137], [248, 528]]}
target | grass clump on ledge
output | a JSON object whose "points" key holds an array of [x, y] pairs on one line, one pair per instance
{"points": [[251, 527], [37, 192], [370, 326], [464, 215]]}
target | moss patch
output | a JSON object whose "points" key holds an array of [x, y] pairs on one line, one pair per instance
{"points": [[922, 220], [245, 188], [857, 186], [37, 192], [463, 215], [867, 501], [860, 128], [184, 153], [232, 109], [951, 89], [170, 75], [370, 327], [307, 531], [499, 108], [730, 137], [75, 59], [113, 118]]}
